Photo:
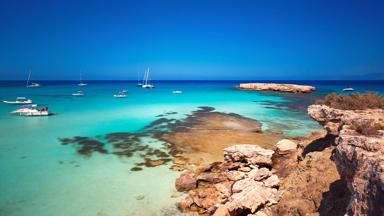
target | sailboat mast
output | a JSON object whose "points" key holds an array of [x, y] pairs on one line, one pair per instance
{"points": [[138, 82], [29, 76], [147, 76]]}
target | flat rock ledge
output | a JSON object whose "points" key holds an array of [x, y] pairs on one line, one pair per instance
{"points": [[243, 184], [359, 158], [291, 88]]}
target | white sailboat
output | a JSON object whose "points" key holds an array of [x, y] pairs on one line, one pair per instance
{"points": [[32, 84], [146, 83], [81, 81], [138, 82]]}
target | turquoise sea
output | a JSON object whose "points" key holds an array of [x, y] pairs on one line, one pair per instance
{"points": [[40, 176]]}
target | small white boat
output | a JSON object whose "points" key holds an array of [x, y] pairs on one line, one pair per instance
{"points": [[146, 83], [120, 95], [177, 92], [32, 84], [81, 81], [348, 89], [32, 110], [125, 90], [19, 100], [78, 93]]}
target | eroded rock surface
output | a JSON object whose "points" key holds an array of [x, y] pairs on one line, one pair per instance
{"points": [[242, 184], [359, 155], [292, 88]]}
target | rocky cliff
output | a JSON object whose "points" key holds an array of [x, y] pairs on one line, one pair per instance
{"points": [[359, 154], [291, 88]]}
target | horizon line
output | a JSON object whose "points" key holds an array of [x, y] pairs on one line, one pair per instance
{"points": [[123, 80]]}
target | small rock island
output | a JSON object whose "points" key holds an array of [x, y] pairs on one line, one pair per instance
{"points": [[291, 88]]}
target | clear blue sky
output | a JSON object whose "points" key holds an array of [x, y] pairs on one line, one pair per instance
{"points": [[192, 39]]}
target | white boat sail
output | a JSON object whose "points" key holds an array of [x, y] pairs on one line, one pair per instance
{"points": [[146, 83], [32, 84], [81, 83]]}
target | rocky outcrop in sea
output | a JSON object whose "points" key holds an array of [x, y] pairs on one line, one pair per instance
{"points": [[359, 154], [291, 88]]}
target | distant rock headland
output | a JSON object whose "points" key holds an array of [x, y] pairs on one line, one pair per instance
{"points": [[291, 88]]}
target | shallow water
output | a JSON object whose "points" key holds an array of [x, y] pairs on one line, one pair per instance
{"points": [[40, 176]]}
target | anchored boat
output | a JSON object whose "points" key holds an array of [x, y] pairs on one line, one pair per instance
{"points": [[348, 89], [32, 110], [120, 95], [32, 84], [146, 83], [81, 81], [19, 101], [78, 93]]}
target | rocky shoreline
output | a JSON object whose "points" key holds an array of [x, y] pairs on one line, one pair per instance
{"points": [[359, 154], [290, 88], [339, 171]]}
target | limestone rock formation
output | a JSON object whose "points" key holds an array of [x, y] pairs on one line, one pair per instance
{"points": [[286, 145], [292, 88], [242, 184], [251, 154], [358, 154], [187, 181]]}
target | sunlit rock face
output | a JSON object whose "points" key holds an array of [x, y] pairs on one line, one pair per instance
{"points": [[358, 154], [242, 184]]}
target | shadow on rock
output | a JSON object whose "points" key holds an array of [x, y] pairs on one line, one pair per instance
{"points": [[319, 145], [335, 201]]}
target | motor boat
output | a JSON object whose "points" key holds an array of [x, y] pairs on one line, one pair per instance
{"points": [[32, 110], [19, 101], [177, 92], [120, 95], [78, 93], [124, 91], [348, 89]]}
